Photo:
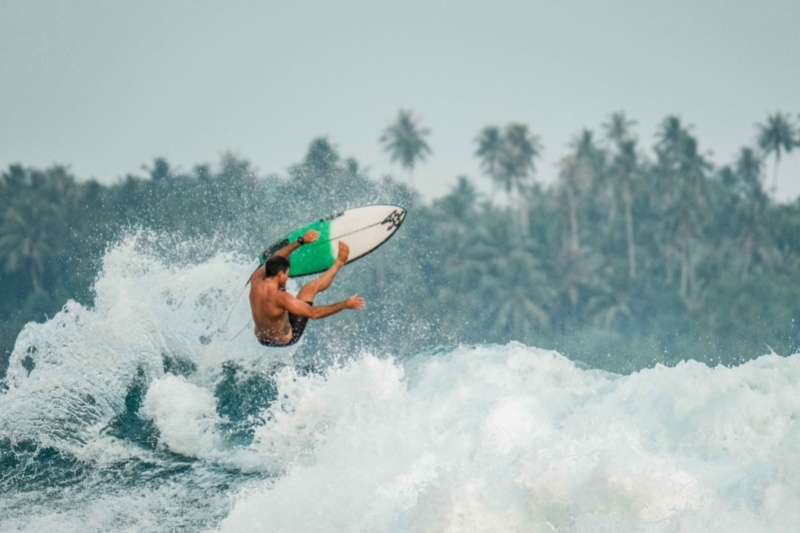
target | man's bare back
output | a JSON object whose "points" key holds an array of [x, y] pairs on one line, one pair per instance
{"points": [[271, 319], [279, 317]]}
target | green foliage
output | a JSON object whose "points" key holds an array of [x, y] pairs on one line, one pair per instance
{"points": [[509, 157], [632, 258], [776, 137], [405, 141]]}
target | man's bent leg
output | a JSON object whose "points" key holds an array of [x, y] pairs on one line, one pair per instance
{"points": [[312, 288]]}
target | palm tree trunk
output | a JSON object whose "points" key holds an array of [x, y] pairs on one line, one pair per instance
{"points": [[573, 221], [495, 188], [775, 174], [747, 255], [629, 231], [36, 281], [669, 254], [692, 272], [684, 286], [612, 213], [687, 270], [522, 213]]}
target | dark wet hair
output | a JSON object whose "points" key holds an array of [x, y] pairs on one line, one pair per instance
{"points": [[275, 265]]}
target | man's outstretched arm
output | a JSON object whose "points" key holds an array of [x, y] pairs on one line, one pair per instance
{"points": [[299, 307], [309, 236]]}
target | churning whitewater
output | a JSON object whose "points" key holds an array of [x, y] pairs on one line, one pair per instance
{"points": [[142, 413]]}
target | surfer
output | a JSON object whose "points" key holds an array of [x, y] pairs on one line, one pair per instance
{"points": [[281, 318]]}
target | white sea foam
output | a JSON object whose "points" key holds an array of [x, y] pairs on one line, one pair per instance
{"points": [[185, 416], [68, 377], [512, 438], [169, 507], [487, 438]]}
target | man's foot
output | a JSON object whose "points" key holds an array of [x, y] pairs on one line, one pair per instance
{"points": [[344, 252]]}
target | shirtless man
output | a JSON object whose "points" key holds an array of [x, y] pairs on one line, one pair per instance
{"points": [[280, 317]]}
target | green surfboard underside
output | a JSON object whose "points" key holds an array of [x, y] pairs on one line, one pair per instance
{"points": [[310, 258]]}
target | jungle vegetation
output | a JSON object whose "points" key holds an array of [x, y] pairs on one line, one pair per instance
{"points": [[638, 254]]}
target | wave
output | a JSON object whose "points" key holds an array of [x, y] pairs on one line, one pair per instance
{"points": [[142, 412], [117, 402], [513, 438]]}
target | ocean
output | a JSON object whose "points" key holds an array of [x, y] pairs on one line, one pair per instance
{"points": [[143, 413]]}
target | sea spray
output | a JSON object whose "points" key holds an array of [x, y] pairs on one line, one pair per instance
{"points": [[88, 410], [185, 416], [141, 413], [513, 438]]}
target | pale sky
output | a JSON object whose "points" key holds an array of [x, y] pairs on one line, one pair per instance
{"points": [[105, 86]]}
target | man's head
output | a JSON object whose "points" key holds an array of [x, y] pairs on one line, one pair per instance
{"points": [[275, 266]]}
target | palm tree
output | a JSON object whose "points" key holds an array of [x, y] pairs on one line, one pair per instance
{"points": [[670, 138], [460, 203], [520, 313], [581, 286], [775, 137], [626, 168], [753, 236], [749, 174], [161, 170], [321, 160], [682, 172], [587, 151], [519, 151], [25, 238], [623, 169], [490, 145], [618, 128], [569, 191], [319, 176], [618, 132], [580, 172], [509, 158], [405, 141]]}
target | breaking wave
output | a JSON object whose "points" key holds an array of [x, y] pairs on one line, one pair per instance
{"points": [[145, 413]]}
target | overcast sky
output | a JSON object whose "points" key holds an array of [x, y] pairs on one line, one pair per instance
{"points": [[106, 86]]}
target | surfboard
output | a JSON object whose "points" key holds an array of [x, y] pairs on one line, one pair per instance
{"points": [[363, 228]]}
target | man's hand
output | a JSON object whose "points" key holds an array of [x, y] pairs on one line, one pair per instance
{"points": [[310, 236], [354, 302]]}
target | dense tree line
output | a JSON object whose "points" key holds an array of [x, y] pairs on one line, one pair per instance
{"points": [[636, 255]]}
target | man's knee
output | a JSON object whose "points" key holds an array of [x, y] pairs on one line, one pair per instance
{"points": [[312, 286], [309, 290]]}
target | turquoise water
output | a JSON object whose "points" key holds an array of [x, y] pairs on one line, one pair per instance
{"points": [[142, 413]]}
